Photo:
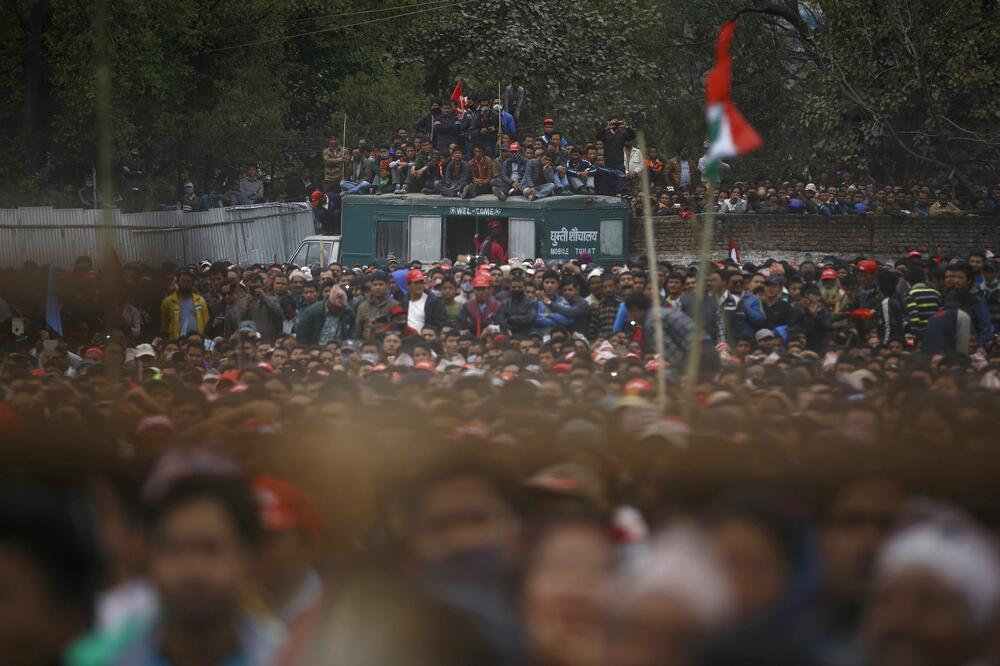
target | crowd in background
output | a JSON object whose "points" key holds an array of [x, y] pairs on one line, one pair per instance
{"points": [[466, 462], [467, 148]]}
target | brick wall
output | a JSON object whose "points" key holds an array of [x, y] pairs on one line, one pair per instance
{"points": [[795, 236]]}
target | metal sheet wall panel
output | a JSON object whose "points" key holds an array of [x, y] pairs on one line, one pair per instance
{"points": [[262, 233]]}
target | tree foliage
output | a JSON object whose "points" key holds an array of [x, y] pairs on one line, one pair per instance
{"points": [[901, 88]]}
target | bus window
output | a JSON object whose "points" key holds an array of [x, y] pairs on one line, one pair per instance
{"points": [[425, 238], [522, 238], [390, 238], [612, 238]]}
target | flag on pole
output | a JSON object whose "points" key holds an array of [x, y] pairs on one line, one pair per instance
{"points": [[456, 96], [53, 317], [728, 133], [734, 252]]}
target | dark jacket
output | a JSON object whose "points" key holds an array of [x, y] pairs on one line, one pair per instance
{"points": [[779, 314], [742, 316], [614, 146], [266, 314], [435, 315], [578, 312], [359, 170], [310, 324], [507, 168], [458, 179], [520, 313], [447, 130], [475, 322], [296, 190], [890, 320], [490, 122], [533, 176], [714, 326]]}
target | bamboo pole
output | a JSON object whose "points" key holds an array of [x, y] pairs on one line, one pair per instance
{"points": [[694, 354], [647, 215]]}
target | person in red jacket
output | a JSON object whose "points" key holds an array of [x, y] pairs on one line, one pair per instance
{"points": [[492, 249]]}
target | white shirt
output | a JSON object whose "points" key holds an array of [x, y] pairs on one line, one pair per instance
{"points": [[415, 315], [633, 161]]}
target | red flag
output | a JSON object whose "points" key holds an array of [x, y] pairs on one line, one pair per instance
{"points": [[456, 96], [861, 313], [728, 132]]}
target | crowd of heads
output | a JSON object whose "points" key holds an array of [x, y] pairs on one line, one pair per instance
{"points": [[461, 462]]}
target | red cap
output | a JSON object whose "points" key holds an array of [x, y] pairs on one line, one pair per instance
{"points": [[284, 506], [638, 386], [95, 350], [230, 376], [868, 266], [398, 310], [415, 275], [561, 369], [266, 367], [425, 365], [514, 147], [316, 197], [548, 121], [654, 364], [482, 280], [829, 274], [913, 254]]}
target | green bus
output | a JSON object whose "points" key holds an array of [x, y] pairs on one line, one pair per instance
{"points": [[430, 227]]}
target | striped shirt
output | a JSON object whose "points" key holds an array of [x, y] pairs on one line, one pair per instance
{"points": [[922, 301]]}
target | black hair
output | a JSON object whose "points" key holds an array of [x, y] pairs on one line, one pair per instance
{"points": [[550, 274], [232, 493], [55, 534], [638, 301]]}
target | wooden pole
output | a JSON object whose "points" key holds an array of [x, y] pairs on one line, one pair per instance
{"points": [[345, 153], [653, 274], [694, 354]]}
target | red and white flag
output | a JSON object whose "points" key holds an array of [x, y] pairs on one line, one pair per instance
{"points": [[457, 97], [729, 134], [734, 252]]}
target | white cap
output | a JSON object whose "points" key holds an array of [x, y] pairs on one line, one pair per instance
{"points": [[145, 349]]}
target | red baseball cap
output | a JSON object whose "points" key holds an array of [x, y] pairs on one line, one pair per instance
{"points": [[868, 266], [548, 121], [638, 386], [415, 275], [561, 369], [398, 310], [284, 506], [482, 280], [913, 254], [515, 147], [425, 365], [829, 274]]}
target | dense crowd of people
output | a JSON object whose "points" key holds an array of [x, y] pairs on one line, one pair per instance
{"points": [[466, 148], [466, 462]]}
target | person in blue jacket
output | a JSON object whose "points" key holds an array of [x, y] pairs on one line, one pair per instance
{"points": [[547, 318]]}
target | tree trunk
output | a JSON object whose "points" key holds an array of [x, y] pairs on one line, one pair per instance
{"points": [[34, 148]]}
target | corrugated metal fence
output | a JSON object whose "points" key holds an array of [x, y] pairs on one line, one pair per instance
{"points": [[264, 233]]}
